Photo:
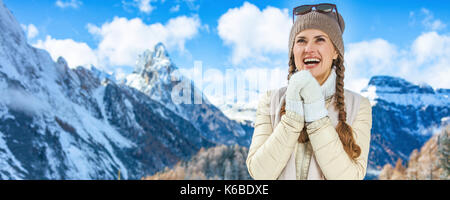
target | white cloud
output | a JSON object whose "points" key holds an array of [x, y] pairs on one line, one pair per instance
{"points": [[175, 8], [30, 30], [68, 4], [377, 53], [427, 60], [192, 5], [145, 6], [21, 100], [121, 40], [75, 53], [432, 52], [253, 33], [431, 23], [355, 84], [367, 58], [431, 46]]}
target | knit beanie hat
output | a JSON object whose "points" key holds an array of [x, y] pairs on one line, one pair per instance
{"points": [[326, 22]]}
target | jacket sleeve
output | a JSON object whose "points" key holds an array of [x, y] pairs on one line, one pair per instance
{"points": [[330, 155], [271, 148]]}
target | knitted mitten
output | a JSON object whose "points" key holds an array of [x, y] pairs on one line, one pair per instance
{"points": [[294, 104], [313, 99]]}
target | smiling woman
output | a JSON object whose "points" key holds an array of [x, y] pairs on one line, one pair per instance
{"points": [[313, 128]]}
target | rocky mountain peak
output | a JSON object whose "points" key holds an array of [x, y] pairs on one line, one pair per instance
{"points": [[160, 51], [389, 84], [156, 59], [62, 62], [401, 92]]}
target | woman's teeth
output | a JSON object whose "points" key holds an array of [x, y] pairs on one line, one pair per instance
{"points": [[311, 62]]}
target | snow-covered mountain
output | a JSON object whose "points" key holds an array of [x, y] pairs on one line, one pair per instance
{"points": [[405, 116], [62, 123], [401, 92], [156, 76]]}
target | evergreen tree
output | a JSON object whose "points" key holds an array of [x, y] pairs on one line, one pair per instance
{"points": [[444, 152]]}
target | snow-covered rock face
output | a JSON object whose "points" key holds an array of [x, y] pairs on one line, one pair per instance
{"points": [[388, 84], [401, 92], [10, 27], [155, 76], [15, 51], [158, 59], [152, 73]]}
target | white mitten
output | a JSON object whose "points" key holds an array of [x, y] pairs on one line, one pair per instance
{"points": [[313, 99], [293, 99]]}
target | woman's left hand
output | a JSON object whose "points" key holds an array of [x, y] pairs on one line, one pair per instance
{"points": [[313, 99]]}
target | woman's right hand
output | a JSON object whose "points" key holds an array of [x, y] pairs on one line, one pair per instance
{"points": [[293, 99]]}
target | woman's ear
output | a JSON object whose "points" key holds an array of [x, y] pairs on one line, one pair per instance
{"points": [[335, 55]]}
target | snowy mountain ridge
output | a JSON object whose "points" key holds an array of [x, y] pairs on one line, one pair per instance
{"points": [[401, 92]]}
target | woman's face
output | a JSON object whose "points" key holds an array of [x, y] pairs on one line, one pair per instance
{"points": [[314, 51]]}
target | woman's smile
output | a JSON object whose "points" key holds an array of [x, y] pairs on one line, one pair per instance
{"points": [[311, 62]]}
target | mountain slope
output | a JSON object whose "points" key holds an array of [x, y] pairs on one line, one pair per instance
{"points": [[404, 117], [427, 164], [62, 123]]}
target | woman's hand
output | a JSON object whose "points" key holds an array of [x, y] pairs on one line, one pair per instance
{"points": [[313, 99], [293, 99]]}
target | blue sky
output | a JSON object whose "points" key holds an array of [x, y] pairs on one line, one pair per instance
{"points": [[402, 38]]}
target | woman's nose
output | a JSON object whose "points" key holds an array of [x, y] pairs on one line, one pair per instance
{"points": [[310, 47]]}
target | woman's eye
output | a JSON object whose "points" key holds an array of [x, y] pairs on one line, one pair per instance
{"points": [[301, 41], [320, 40]]}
